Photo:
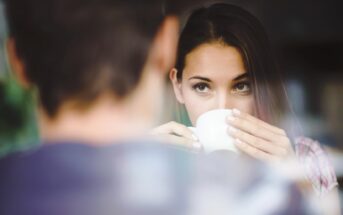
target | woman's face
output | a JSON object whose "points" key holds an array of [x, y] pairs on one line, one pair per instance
{"points": [[214, 77]]}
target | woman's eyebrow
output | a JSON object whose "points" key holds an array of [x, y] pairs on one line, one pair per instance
{"points": [[242, 76], [201, 78]]}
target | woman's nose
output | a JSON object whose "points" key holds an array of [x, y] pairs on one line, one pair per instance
{"points": [[222, 101], [225, 102]]}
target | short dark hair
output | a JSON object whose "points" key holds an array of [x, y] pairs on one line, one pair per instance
{"points": [[78, 49], [233, 26]]}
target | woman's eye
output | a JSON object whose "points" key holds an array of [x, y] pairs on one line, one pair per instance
{"points": [[201, 87], [242, 87]]}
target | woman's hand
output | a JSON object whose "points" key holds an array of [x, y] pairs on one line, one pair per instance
{"points": [[258, 138], [176, 133]]}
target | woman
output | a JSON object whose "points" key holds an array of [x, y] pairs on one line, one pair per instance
{"points": [[224, 61]]}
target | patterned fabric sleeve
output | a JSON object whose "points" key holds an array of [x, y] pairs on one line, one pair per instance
{"points": [[318, 168]]}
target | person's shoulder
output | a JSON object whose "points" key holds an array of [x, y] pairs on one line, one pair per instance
{"points": [[45, 155], [315, 161], [17, 157], [39, 151], [44, 158]]}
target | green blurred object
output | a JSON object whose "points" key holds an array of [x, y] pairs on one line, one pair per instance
{"points": [[18, 127]]}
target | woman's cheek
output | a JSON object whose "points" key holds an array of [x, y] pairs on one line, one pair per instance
{"points": [[194, 109], [195, 106], [246, 105]]}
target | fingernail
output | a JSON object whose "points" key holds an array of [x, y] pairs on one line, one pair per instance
{"points": [[238, 141], [196, 145], [230, 118], [236, 112], [194, 137], [232, 130]]}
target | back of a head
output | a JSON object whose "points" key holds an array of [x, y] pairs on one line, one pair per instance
{"points": [[74, 49]]}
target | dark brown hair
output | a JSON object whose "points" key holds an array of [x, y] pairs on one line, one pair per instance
{"points": [[78, 49]]}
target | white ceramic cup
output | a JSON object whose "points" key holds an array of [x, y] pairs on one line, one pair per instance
{"points": [[211, 130]]}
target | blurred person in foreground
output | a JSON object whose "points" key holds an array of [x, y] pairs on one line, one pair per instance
{"points": [[99, 67]]}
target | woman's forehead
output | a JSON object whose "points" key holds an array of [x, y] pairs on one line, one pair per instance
{"points": [[215, 61]]}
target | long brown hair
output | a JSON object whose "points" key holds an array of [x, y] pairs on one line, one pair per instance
{"points": [[233, 26]]}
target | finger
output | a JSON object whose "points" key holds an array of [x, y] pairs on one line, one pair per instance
{"points": [[252, 128], [180, 141], [253, 152], [175, 128], [256, 130], [258, 122], [258, 143]]}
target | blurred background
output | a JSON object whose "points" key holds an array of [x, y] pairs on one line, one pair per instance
{"points": [[307, 38], [18, 129]]}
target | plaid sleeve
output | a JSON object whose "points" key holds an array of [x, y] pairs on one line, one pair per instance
{"points": [[316, 164]]}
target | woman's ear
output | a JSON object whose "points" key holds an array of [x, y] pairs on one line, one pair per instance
{"points": [[176, 85], [17, 65]]}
